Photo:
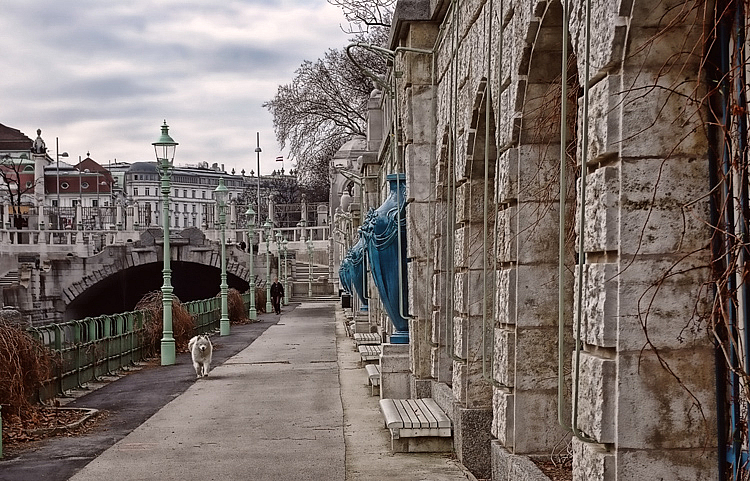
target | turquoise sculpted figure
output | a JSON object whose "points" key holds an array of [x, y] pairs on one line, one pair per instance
{"points": [[384, 231]]}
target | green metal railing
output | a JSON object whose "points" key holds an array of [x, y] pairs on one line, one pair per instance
{"points": [[95, 346], [86, 349]]}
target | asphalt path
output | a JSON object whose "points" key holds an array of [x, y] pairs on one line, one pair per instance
{"points": [[128, 402]]}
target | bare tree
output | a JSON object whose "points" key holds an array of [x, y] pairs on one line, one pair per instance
{"points": [[324, 106], [364, 14], [16, 184]]}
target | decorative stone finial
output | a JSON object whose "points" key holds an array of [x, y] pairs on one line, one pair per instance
{"points": [[39, 146]]}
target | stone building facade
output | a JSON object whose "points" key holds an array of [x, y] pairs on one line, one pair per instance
{"points": [[549, 328]]}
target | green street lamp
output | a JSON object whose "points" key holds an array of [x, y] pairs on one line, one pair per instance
{"points": [[221, 192], [252, 314], [309, 267], [285, 247], [267, 229], [164, 149], [278, 253]]}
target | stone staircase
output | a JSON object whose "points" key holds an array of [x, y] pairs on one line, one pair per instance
{"points": [[300, 280]]}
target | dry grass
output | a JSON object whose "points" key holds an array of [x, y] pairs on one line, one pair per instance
{"points": [[182, 323], [24, 365], [235, 306]]}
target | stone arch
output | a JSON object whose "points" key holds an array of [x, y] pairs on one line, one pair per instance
{"points": [[442, 364], [525, 374], [124, 264], [474, 259]]}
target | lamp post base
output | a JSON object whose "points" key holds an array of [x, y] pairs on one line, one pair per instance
{"points": [[252, 314], [167, 352], [224, 327]]}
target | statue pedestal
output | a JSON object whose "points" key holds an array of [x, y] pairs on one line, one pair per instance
{"points": [[362, 322], [394, 371]]}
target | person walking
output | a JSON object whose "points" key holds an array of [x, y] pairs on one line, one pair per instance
{"points": [[277, 292]]}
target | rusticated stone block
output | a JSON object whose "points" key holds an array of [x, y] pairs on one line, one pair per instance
{"points": [[609, 31], [597, 397], [507, 173], [601, 230], [502, 416], [677, 465], [473, 289], [419, 183], [505, 357], [656, 411], [505, 308], [658, 205], [674, 130], [593, 462], [600, 300], [419, 231], [668, 304], [604, 134], [470, 201], [469, 248], [507, 228]]}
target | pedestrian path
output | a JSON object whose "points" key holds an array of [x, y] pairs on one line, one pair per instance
{"points": [[273, 411], [295, 404]]}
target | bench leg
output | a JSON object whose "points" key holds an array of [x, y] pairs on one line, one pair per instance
{"points": [[430, 444]]}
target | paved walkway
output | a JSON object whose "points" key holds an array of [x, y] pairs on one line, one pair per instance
{"points": [[294, 404]]}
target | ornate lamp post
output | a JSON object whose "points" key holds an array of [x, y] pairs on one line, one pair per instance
{"points": [[165, 148], [285, 246], [278, 252], [221, 193], [252, 314], [309, 267], [267, 229]]}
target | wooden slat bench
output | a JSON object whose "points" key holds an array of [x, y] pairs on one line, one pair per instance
{"points": [[373, 373], [417, 425], [364, 338], [349, 326], [369, 353]]}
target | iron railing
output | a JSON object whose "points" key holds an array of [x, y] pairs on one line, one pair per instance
{"points": [[86, 349]]}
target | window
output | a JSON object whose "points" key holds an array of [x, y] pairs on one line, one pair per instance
{"points": [[193, 208], [184, 193], [64, 185], [94, 203], [54, 202], [204, 194], [193, 194], [28, 184], [148, 191], [135, 190], [28, 168], [84, 185]]}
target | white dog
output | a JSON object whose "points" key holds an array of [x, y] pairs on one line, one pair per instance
{"points": [[201, 349]]}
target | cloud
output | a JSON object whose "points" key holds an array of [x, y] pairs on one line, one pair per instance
{"points": [[102, 76]]}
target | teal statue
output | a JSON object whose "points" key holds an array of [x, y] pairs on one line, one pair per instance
{"points": [[344, 275], [384, 231], [357, 271]]}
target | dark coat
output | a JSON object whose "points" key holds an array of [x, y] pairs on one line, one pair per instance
{"points": [[277, 289]]}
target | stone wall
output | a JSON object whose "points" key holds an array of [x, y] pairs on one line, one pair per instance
{"points": [[481, 147]]}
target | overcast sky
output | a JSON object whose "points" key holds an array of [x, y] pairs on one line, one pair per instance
{"points": [[103, 75]]}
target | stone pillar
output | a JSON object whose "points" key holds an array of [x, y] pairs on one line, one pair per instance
{"points": [[394, 371], [119, 216]]}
